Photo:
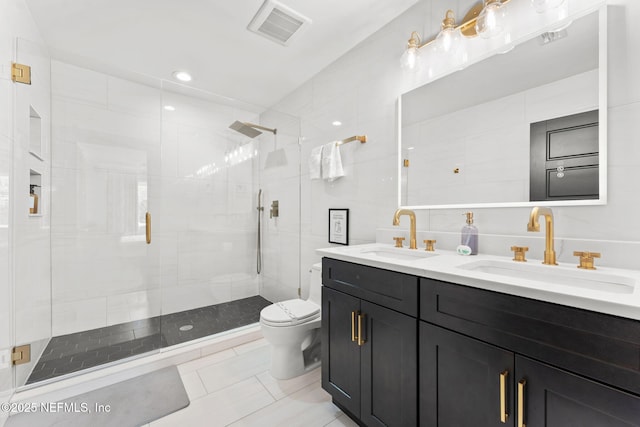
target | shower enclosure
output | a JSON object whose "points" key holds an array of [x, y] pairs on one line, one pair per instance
{"points": [[153, 225]]}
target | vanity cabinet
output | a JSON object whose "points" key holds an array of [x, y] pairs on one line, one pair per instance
{"points": [[369, 351], [464, 381], [438, 354], [475, 362]]}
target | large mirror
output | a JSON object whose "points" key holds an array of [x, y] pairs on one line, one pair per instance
{"points": [[523, 128]]}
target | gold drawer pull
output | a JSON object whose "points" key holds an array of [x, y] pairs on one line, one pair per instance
{"points": [[521, 385], [353, 326], [360, 320], [503, 397]]}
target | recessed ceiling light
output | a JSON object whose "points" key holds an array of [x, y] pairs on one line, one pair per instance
{"points": [[183, 76], [170, 108], [336, 123]]}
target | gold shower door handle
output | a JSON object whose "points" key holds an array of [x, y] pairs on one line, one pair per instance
{"points": [[521, 385], [353, 326], [503, 397], [360, 319], [147, 219]]}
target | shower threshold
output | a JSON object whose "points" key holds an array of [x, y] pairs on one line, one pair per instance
{"points": [[75, 352]]}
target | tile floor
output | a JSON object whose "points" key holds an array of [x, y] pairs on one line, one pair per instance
{"points": [[81, 350], [234, 388]]}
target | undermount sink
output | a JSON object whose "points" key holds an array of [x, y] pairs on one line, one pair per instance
{"points": [[585, 279], [400, 254]]}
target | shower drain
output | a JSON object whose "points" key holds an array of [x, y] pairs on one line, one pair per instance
{"points": [[186, 328]]}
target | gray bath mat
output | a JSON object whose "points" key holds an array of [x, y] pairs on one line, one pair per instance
{"points": [[133, 402]]}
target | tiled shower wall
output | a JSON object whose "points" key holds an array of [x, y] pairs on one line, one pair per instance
{"points": [[117, 154], [361, 89]]}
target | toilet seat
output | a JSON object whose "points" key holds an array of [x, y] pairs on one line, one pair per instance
{"points": [[289, 313]]}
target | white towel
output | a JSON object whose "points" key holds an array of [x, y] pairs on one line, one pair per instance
{"points": [[331, 162], [315, 163]]}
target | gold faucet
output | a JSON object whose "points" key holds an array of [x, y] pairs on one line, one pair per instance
{"points": [[534, 225], [412, 230]]}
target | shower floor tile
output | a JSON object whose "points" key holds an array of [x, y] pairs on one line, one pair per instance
{"points": [[81, 350]]}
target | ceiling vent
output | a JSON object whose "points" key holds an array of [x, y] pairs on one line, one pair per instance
{"points": [[278, 22]]}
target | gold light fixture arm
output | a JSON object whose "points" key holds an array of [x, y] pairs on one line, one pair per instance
{"points": [[467, 27]]}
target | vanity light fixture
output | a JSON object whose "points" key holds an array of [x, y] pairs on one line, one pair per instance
{"points": [[491, 21], [170, 108], [447, 38], [336, 123], [183, 76]]}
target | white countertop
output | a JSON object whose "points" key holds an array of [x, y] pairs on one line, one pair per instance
{"points": [[536, 280]]}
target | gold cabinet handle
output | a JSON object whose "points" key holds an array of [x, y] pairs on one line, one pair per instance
{"points": [[503, 396], [147, 218], [353, 326], [360, 320], [521, 385]]}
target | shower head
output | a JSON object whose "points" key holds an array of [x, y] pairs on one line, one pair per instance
{"points": [[250, 129]]}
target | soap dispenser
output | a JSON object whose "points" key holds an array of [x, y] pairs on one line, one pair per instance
{"points": [[469, 236]]}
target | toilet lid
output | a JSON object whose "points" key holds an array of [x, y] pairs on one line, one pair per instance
{"points": [[290, 312]]}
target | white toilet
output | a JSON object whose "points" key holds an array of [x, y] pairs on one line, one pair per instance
{"points": [[292, 328]]}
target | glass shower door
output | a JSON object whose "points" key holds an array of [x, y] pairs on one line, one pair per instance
{"points": [[105, 276], [30, 208]]}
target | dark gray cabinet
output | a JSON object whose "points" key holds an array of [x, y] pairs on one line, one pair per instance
{"points": [[553, 397], [393, 343], [369, 352], [463, 381], [340, 354], [455, 365]]}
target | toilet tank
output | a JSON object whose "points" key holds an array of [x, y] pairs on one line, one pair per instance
{"points": [[315, 283]]}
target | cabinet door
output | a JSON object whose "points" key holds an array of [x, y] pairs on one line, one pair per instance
{"points": [[340, 354], [389, 368], [464, 382], [556, 398]]}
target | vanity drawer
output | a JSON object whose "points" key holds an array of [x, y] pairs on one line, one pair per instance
{"points": [[396, 291], [600, 346]]}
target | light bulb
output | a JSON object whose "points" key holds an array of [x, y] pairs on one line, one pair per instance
{"points": [[491, 20], [542, 6], [409, 59], [448, 40]]}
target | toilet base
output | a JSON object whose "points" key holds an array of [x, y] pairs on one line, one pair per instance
{"points": [[288, 362]]}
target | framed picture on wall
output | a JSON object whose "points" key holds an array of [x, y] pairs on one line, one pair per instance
{"points": [[339, 226]]}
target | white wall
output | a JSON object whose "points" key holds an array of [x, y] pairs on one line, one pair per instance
{"points": [[361, 90], [24, 240]]}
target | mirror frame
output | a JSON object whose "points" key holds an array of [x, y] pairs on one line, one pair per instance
{"points": [[601, 10]]}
